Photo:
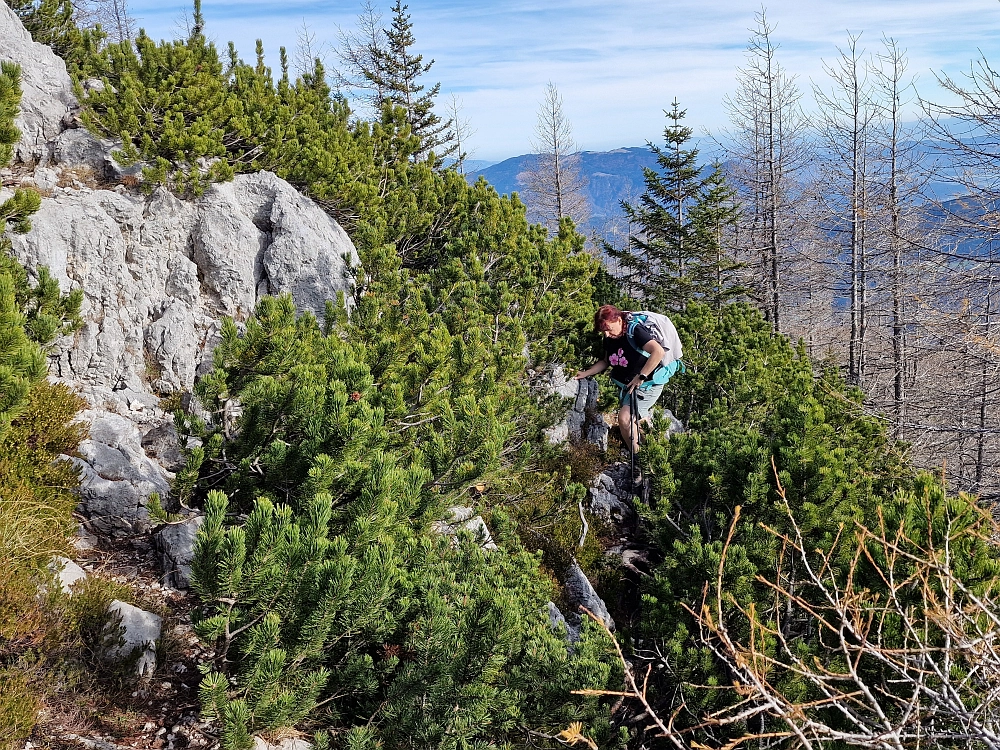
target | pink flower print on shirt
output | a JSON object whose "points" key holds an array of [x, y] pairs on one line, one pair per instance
{"points": [[619, 359]]}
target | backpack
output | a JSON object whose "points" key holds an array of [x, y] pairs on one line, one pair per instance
{"points": [[665, 335]]}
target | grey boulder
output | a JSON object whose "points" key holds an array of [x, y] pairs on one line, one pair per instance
{"points": [[581, 593], [175, 543], [67, 573], [583, 422], [163, 444], [610, 496], [465, 518], [132, 633], [117, 477]]}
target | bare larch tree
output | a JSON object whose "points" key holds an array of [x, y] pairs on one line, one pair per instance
{"points": [[554, 187], [767, 152]]}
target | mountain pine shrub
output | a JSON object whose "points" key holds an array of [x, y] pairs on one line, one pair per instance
{"points": [[336, 605], [750, 397], [53, 22]]}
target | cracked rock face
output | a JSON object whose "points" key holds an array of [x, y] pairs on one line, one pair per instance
{"points": [[46, 92], [465, 518], [158, 273], [583, 421], [116, 475], [175, 543], [610, 495]]}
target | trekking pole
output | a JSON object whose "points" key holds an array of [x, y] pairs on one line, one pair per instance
{"points": [[634, 437]]}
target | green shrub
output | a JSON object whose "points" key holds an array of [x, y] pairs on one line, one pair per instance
{"points": [[18, 707]]}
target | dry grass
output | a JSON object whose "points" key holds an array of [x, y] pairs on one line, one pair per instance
{"points": [[79, 176]]}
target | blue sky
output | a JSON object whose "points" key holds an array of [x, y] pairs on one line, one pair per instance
{"points": [[617, 63]]}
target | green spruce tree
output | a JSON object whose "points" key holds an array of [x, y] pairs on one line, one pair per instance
{"points": [[684, 219], [381, 61], [714, 218]]}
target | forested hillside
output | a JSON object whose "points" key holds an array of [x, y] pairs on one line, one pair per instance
{"points": [[388, 523]]}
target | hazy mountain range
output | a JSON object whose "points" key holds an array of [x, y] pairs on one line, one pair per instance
{"points": [[617, 175], [612, 176]]}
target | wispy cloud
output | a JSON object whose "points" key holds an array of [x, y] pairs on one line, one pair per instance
{"points": [[618, 63]]}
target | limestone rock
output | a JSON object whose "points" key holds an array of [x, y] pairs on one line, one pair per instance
{"points": [[463, 517], [158, 272], [77, 147], [228, 248], [47, 93], [580, 591], [294, 245], [84, 540], [175, 342], [610, 495], [42, 179], [674, 425], [163, 444], [117, 476], [175, 543], [597, 433], [288, 743], [556, 619], [560, 384], [67, 573], [583, 422], [133, 634]]}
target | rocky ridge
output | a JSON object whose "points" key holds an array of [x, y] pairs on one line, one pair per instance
{"points": [[158, 273]]}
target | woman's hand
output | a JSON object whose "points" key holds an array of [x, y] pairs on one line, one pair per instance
{"points": [[636, 382], [598, 367]]}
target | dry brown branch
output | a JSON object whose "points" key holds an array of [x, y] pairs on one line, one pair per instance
{"points": [[918, 659], [904, 652]]}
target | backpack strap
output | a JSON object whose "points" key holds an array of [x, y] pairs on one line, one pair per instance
{"points": [[633, 320]]}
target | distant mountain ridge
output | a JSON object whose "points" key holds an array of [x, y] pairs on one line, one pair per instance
{"points": [[617, 175], [612, 176]]}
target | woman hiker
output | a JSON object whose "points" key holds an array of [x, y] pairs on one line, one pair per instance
{"points": [[631, 371]]}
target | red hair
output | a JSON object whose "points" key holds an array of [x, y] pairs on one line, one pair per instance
{"points": [[604, 315]]}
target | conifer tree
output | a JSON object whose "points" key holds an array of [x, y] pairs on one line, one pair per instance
{"points": [[767, 153], [553, 186], [169, 104], [22, 362], [685, 221], [381, 61], [358, 433], [337, 588], [10, 100], [714, 217]]}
